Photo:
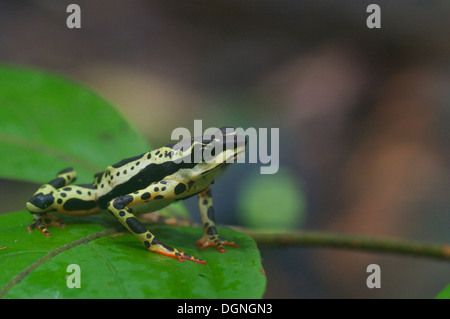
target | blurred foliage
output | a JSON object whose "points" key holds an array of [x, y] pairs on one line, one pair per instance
{"points": [[49, 123], [272, 202], [444, 294]]}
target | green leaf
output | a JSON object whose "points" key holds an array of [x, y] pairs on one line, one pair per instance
{"points": [[444, 294], [118, 266], [48, 123]]}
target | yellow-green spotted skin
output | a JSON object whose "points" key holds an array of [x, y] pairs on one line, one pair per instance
{"points": [[146, 183]]}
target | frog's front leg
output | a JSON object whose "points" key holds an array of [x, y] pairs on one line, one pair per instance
{"points": [[45, 220], [120, 207], [43, 199], [210, 236]]}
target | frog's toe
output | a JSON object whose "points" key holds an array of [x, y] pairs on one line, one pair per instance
{"points": [[173, 252], [45, 221], [214, 241], [44, 230], [32, 226], [39, 226]]}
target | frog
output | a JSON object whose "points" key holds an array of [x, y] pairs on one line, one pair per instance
{"points": [[146, 183]]}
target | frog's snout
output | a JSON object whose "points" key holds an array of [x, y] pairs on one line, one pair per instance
{"points": [[40, 202]]}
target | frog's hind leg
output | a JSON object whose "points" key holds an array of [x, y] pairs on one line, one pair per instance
{"points": [[120, 208], [40, 204], [63, 178], [210, 236]]}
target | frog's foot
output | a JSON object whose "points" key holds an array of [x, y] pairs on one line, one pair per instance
{"points": [[165, 250], [216, 241], [42, 221]]}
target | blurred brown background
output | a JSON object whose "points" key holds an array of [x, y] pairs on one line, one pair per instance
{"points": [[363, 113]]}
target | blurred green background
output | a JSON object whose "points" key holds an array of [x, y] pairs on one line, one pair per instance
{"points": [[363, 116]]}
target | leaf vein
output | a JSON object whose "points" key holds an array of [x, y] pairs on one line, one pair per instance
{"points": [[52, 254], [112, 269]]}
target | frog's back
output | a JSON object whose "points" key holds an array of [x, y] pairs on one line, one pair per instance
{"points": [[136, 173]]}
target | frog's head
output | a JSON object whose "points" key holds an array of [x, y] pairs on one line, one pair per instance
{"points": [[224, 147], [206, 153], [220, 150]]}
